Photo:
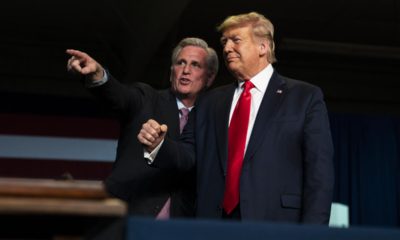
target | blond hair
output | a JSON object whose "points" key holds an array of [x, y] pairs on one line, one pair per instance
{"points": [[261, 26]]}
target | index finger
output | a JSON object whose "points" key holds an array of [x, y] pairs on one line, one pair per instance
{"points": [[76, 53]]}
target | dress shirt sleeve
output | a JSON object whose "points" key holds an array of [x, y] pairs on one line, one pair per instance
{"points": [[91, 84], [150, 156]]}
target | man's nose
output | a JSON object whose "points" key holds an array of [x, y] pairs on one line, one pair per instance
{"points": [[186, 69], [227, 47]]}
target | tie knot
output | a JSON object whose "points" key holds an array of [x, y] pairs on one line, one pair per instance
{"points": [[184, 111], [247, 85]]}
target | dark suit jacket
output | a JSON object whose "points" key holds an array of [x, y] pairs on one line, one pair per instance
{"points": [[287, 172], [146, 189]]}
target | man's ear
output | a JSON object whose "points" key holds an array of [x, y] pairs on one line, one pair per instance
{"points": [[210, 79], [264, 47]]}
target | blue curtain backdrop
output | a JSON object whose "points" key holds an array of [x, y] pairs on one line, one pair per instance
{"points": [[367, 167]]}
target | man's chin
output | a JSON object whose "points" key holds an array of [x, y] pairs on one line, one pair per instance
{"points": [[182, 94], [232, 66]]}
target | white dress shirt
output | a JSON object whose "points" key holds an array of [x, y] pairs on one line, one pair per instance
{"points": [[260, 82]]}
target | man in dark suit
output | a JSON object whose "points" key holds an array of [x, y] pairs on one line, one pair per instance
{"points": [[150, 191], [262, 145]]}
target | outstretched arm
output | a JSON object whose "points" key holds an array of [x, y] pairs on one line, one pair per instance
{"points": [[82, 63], [125, 101]]}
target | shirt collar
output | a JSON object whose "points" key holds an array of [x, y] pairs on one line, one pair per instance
{"points": [[181, 105], [261, 79]]}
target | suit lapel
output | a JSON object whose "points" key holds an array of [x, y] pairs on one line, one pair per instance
{"points": [[223, 107], [171, 113], [270, 104]]}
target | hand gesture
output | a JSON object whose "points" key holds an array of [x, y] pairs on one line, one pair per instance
{"points": [[151, 134], [83, 64]]}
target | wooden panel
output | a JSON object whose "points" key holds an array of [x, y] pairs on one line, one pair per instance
{"points": [[57, 197], [85, 189], [58, 206]]}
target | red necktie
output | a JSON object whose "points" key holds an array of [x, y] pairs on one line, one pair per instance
{"points": [[236, 145]]}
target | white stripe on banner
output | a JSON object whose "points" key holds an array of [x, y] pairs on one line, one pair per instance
{"points": [[33, 147]]}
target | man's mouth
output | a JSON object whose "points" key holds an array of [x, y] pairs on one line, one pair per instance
{"points": [[231, 58], [184, 81]]}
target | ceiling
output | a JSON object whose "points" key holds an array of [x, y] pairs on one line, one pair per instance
{"points": [[351, 49]]}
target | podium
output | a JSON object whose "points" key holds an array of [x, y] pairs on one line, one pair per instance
{"points": [[149, 229], [56, 209]]}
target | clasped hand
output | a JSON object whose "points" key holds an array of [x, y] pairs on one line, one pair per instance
{"points": [[152, 134]]}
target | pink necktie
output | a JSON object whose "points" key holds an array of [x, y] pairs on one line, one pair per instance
{"points": [[184, 118], [165, 211], [236, 144]]}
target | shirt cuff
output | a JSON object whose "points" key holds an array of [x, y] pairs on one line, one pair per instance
{"points": [[150, 156], [90, 83]]}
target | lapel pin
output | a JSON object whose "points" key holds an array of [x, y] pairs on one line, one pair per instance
{"points": [[279, 91]]}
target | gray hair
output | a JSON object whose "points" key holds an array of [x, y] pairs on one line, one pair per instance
{"points": [[211, 59]]}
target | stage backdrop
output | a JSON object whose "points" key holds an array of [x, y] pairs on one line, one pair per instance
{"points": [[367, 161]]}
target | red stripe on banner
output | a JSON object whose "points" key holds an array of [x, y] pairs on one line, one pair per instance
{"points": [[54, 169], [63, 126]]}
